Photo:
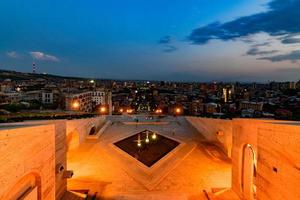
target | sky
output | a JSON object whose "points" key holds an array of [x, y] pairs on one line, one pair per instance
{"points": [[174, 40]]}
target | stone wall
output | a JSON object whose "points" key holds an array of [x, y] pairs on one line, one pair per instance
{"points": [[278, 162], [215, 130], [60, 150], [244, 133], [265, 151], [27, 160], [77, 130], [60, 157], [276, 147], [64, 133]]}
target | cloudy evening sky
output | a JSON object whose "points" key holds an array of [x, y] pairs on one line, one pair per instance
{"points": [[191, 40]]}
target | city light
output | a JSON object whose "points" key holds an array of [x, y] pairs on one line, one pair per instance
{"points": [[92, 81], [129, 111], [121, 110], [103, 109], [178, 110], [75, 105], [158, 111]]}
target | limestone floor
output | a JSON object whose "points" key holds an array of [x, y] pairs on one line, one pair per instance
{"points": [[98, 169]]}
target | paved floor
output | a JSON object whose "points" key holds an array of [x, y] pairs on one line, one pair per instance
{"points": [[183, 174]]}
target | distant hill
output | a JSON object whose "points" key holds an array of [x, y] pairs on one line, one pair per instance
{"points": [[14, 75]]}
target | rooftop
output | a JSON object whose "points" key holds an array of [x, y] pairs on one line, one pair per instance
{"points": [[110, 172]]}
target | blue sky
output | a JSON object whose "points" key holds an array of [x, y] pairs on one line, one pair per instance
{"points": [[191, 40]]}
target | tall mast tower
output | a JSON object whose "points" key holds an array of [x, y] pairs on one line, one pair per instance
{"points": [[33, 68]]}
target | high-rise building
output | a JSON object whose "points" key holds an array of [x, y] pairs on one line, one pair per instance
{"points": [[227, 94]]}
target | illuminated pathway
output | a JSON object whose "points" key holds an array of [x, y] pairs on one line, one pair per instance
{"points": [[182, 174]]}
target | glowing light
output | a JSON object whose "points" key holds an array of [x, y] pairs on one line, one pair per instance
{"points": [[92, 81], [177, 110], [121, 110], [147, 137], [103, 109], [139, 141], [158, 111], [129, 111], [75, 105], [154, 136]]}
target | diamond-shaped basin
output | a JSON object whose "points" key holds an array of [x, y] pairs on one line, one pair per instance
{"points": [[147, 146]]}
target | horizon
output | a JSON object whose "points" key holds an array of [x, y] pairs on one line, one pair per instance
{"points": [[193, 41], [138, 80]]}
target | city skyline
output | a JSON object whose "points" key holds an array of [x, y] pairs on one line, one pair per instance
{"points": [[197, 40]]}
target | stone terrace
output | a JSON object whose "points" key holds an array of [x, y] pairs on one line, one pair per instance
{"points": [[184, 173]]}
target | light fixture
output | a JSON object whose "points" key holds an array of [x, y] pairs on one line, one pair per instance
{"points": [[75, 105], [154, 136], [139, 141], [158, 111], [147, 137], [103, 109], [129, 111], [177, 110]]}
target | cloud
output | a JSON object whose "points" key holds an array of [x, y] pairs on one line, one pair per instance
{"points": [[42, 56], [261, 44], [291, 39], [165, 40], [13, 54], [282, 17], [170, 48], [293, 56], [256, 51]]}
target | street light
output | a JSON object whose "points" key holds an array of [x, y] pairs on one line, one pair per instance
{"points": [[129, 111], [75, 105], [102, 109], [158, 111], [178, 111]]}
